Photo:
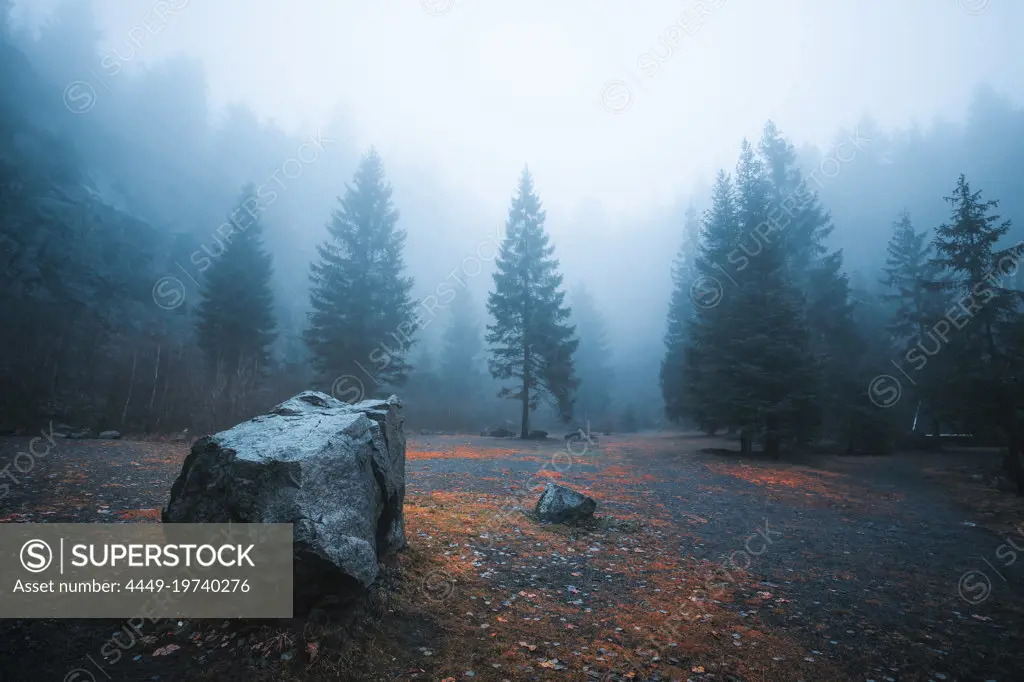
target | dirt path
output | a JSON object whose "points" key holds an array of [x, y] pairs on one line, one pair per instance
{"points": [[714, 568]]}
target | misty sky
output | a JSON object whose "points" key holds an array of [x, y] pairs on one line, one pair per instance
{"points": [[474, 89]]}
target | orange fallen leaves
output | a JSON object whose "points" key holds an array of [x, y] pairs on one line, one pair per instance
{"points": [[817, 486], [469, 450], [139, 515], [609, 620]]}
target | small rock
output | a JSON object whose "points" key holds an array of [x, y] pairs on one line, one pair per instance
{"points": [[559, 504], [110, 435]]}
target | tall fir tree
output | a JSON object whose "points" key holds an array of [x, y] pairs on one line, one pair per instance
{"points": [[698, 386], [909, 275], [747, 352], [965, 248], [592, 360], [236, 325], [801, 226], [982, 352], [771, 368], [531, 340], [362, 320], [795, 211], [681, 313], [915, 303]]}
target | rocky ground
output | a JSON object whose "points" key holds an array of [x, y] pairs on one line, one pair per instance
{"points": [[699, 566]]}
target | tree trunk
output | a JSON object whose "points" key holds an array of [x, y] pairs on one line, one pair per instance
{"points": [[524, 426], [131, 384], [745, 442], [156, 380], [163, 398]]}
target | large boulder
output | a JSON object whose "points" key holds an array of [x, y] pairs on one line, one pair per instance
{"points": [[336, 471], [558, 504]]}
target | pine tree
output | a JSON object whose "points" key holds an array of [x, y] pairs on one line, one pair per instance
{"points": [[461, 351], [801, 226], [966, 249], [773, 372], [915, 304], [531, 340], [680, 317], [698, 387], [362, 320], [984, 374], [908, 273], [748, 357], [592, 360], [235, 318], [796, 212]]}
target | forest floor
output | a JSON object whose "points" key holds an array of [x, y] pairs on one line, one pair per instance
{"points": [[701, 565]]}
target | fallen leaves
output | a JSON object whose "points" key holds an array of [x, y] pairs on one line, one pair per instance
{"points": [[139, 515], [616, 610]]}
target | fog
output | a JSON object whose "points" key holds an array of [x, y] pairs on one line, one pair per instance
{"points": [[622, 114], [713, 309]]}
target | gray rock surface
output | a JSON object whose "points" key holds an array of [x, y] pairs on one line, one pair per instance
{"points": [[336, 471], [558, 504]]}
